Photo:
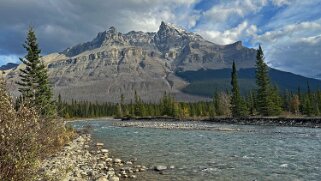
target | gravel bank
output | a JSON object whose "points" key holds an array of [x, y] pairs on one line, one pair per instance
{"points": [[172, 123], [82, 160]]}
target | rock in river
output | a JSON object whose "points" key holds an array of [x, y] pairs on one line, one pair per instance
{"points": [[99, 144], [160, 167]]}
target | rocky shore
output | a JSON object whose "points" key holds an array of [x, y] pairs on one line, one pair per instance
{"points": [[185, 125], [171, 123], [272, 121], [82, 160]]}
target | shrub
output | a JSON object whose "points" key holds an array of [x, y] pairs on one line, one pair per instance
{"points": [[25, 138]]}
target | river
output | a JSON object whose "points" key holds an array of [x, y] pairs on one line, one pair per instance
{"points": [[233, 152]]}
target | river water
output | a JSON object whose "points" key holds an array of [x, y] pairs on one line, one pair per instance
{"points": [[235, 152]]}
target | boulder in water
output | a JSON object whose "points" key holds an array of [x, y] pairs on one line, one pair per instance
{"points": [[160, 167]]}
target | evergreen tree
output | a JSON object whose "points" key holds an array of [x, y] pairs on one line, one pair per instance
{"points": [[275, 106], [59, 106], [265, 93], [308, 102], [34, 83], [262, 82], [251, 103], [237, 102], [216, 103], [119, 112]]}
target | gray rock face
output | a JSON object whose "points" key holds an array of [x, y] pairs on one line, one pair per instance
{"points": [[114, 63]]}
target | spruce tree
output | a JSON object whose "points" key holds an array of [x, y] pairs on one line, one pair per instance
{"points": [[308, 103], [237, 102], [262, 82], [266, 95], [33, 84], [275, 100]]}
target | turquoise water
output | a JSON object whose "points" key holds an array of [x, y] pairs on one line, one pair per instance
{"points": [[248, 153]]}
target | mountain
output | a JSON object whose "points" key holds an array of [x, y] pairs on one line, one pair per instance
{"points": [[317, 76], [9, 66], [206, 82], [150, 63]]}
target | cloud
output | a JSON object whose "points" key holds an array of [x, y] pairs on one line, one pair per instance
{"points": [[60, 24], [281, 2], [234, 9], [4, 59], [291, 32], [229, 36], [293, 47], [301, 56]]}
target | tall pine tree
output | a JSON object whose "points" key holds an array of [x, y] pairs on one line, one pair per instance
{"points": [[237, 102], [266, 95], [34, 85]]}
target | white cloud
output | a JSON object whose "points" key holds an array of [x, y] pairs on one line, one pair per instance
{"points": [[281, 2], [293, 47], [290, 32], [312, 40], [243, 30], [238, 8], [4, 59]]}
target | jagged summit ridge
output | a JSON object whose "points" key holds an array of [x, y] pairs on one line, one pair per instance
{"points": [[168, 36]]}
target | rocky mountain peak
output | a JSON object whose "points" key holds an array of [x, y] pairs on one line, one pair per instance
{"points": [[114, 38], [170, 27], [237, 45], [169, 36], [112, 30]]}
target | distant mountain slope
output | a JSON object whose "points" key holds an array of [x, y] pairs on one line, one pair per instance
{"points": [[8, 66], [206, 82]]}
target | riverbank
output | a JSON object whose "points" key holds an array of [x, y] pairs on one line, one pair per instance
{"points": [[82, 159], [260, 121], [272, 121]]}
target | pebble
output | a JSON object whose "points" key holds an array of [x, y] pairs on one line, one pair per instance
{"points": [[117, 160], [102, 178], [114, 178], [104, 151]]}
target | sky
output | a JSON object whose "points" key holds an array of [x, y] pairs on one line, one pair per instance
{"points": [[288, 30]]}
